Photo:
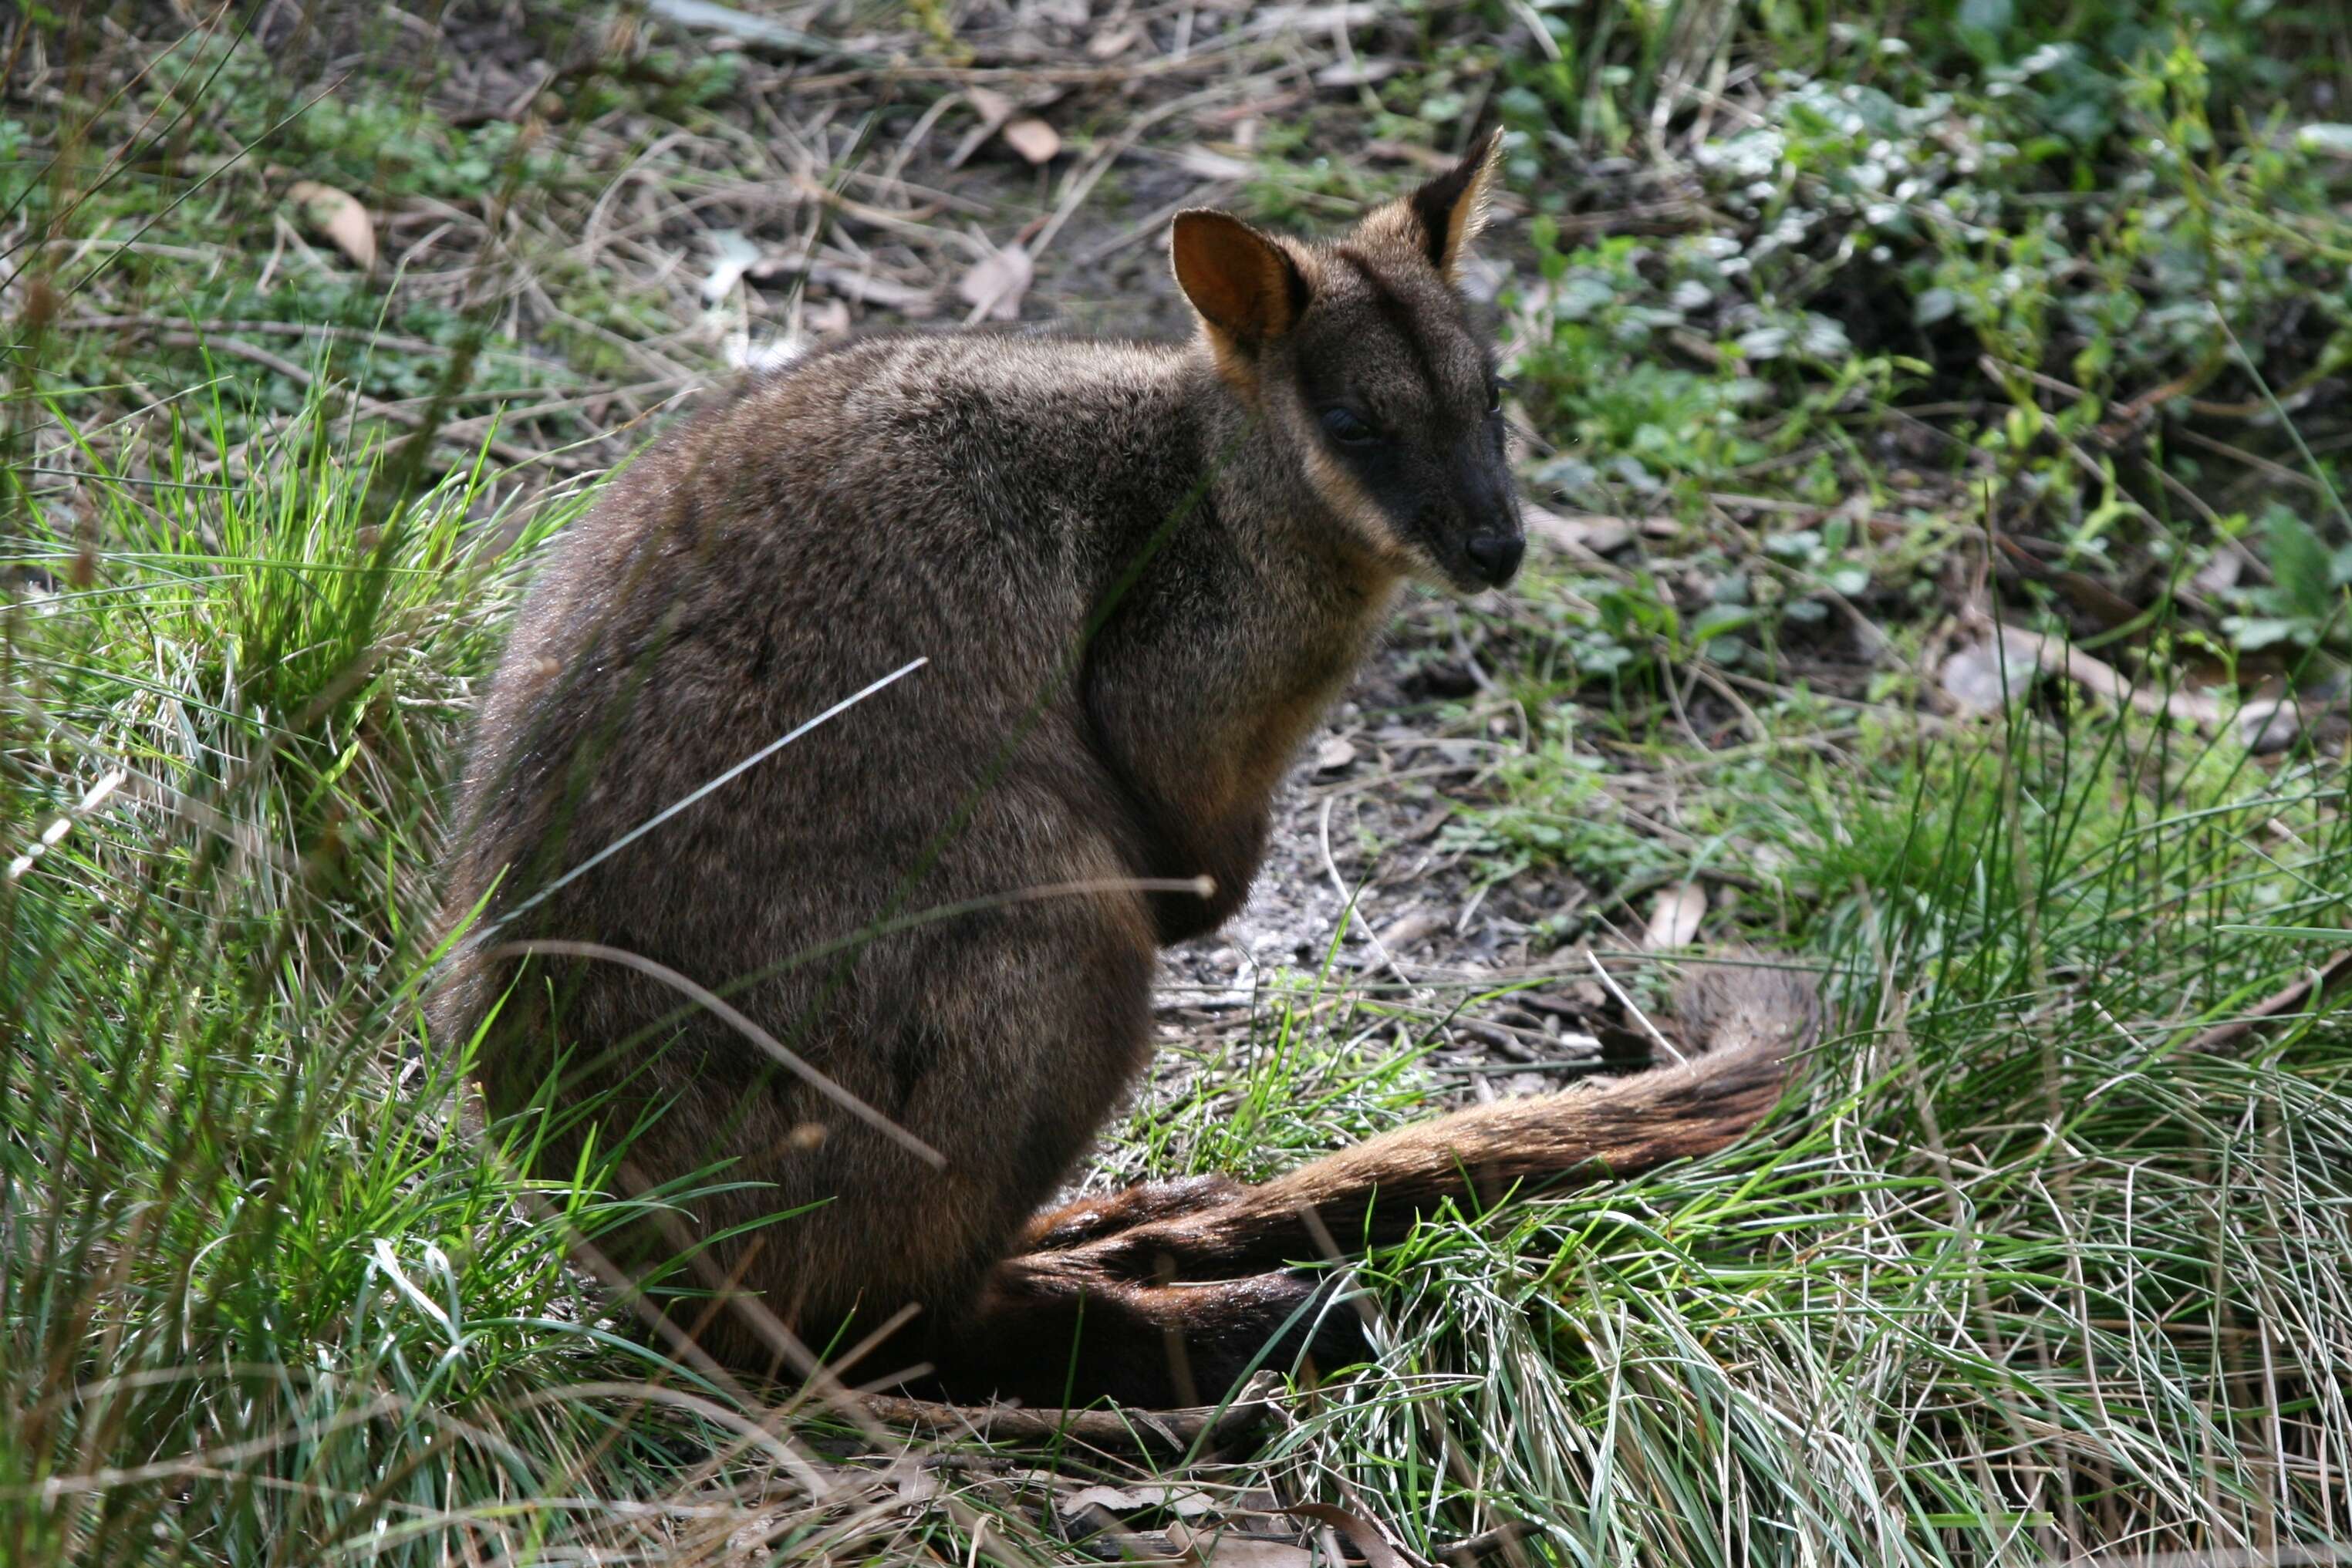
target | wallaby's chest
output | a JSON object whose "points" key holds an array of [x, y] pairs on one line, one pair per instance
{"points": [[1227, 667], [1304, 668]]}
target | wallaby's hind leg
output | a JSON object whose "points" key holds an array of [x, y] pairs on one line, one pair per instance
{"points": [[1048, 1323], [1088, 1219], [1054, 1317], [1168, 1292]]}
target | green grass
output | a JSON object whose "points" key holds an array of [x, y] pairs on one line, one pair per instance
{"points": [[2021, 1273], [241, 1217]]}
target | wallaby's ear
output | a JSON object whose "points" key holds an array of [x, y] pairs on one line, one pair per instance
{"points": [[1452, 207], [1244, 284]]}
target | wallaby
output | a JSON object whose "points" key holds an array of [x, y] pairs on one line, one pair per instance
{"points": [[1138, 573]]}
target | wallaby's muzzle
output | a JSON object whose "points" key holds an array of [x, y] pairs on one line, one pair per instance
{"points": [[1497, 556], [1480, 546]]}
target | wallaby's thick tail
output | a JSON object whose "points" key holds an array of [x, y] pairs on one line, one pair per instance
{"points": [[1164, 1293]]}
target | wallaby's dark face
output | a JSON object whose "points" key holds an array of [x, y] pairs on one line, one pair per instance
{"points": [[1362, 354]]}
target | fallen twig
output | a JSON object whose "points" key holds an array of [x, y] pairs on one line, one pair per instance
{"points": [[704, 16], [2103, 679], [2317, 982], [1176, 1429]]}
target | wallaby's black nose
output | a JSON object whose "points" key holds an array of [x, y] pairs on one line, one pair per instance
{"points": [[1496, 555]]}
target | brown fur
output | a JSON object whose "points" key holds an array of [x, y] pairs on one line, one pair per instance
{"points": [[1138, 573]]}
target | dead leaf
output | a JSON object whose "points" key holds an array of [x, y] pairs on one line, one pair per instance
{"points": [[733, 257], [1408, 929], [1205, 163], [1595, 536], [2323, 977], [1111, 44], [2222, 574], [1354, 73], [1482, 279], [994, 287], [337, 214], [2091, 596], [1128, 1429], [1973, 677], [1673, 919], [1034, 139], [2103, 680], [778, 351], [2269, 723], [1182, 1501], [1373, 1546], [868, 289], [849, 283], [992, 107], [827, 318], [1310, 19], [1424, 826], [1428, 158], [1334, 754], [709, 16], [1231, 1548]]}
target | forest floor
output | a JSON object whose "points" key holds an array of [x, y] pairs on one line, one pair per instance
{"points": [[1933, 432]]}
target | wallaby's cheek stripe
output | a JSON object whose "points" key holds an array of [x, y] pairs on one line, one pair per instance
{"points": [[1346, 495]]}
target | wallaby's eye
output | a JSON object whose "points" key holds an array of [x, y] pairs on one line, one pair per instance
{"points": [[1495, 388], [1348, 428]]}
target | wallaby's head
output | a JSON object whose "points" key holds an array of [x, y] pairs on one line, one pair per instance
{"points": [[1361, 355]]}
